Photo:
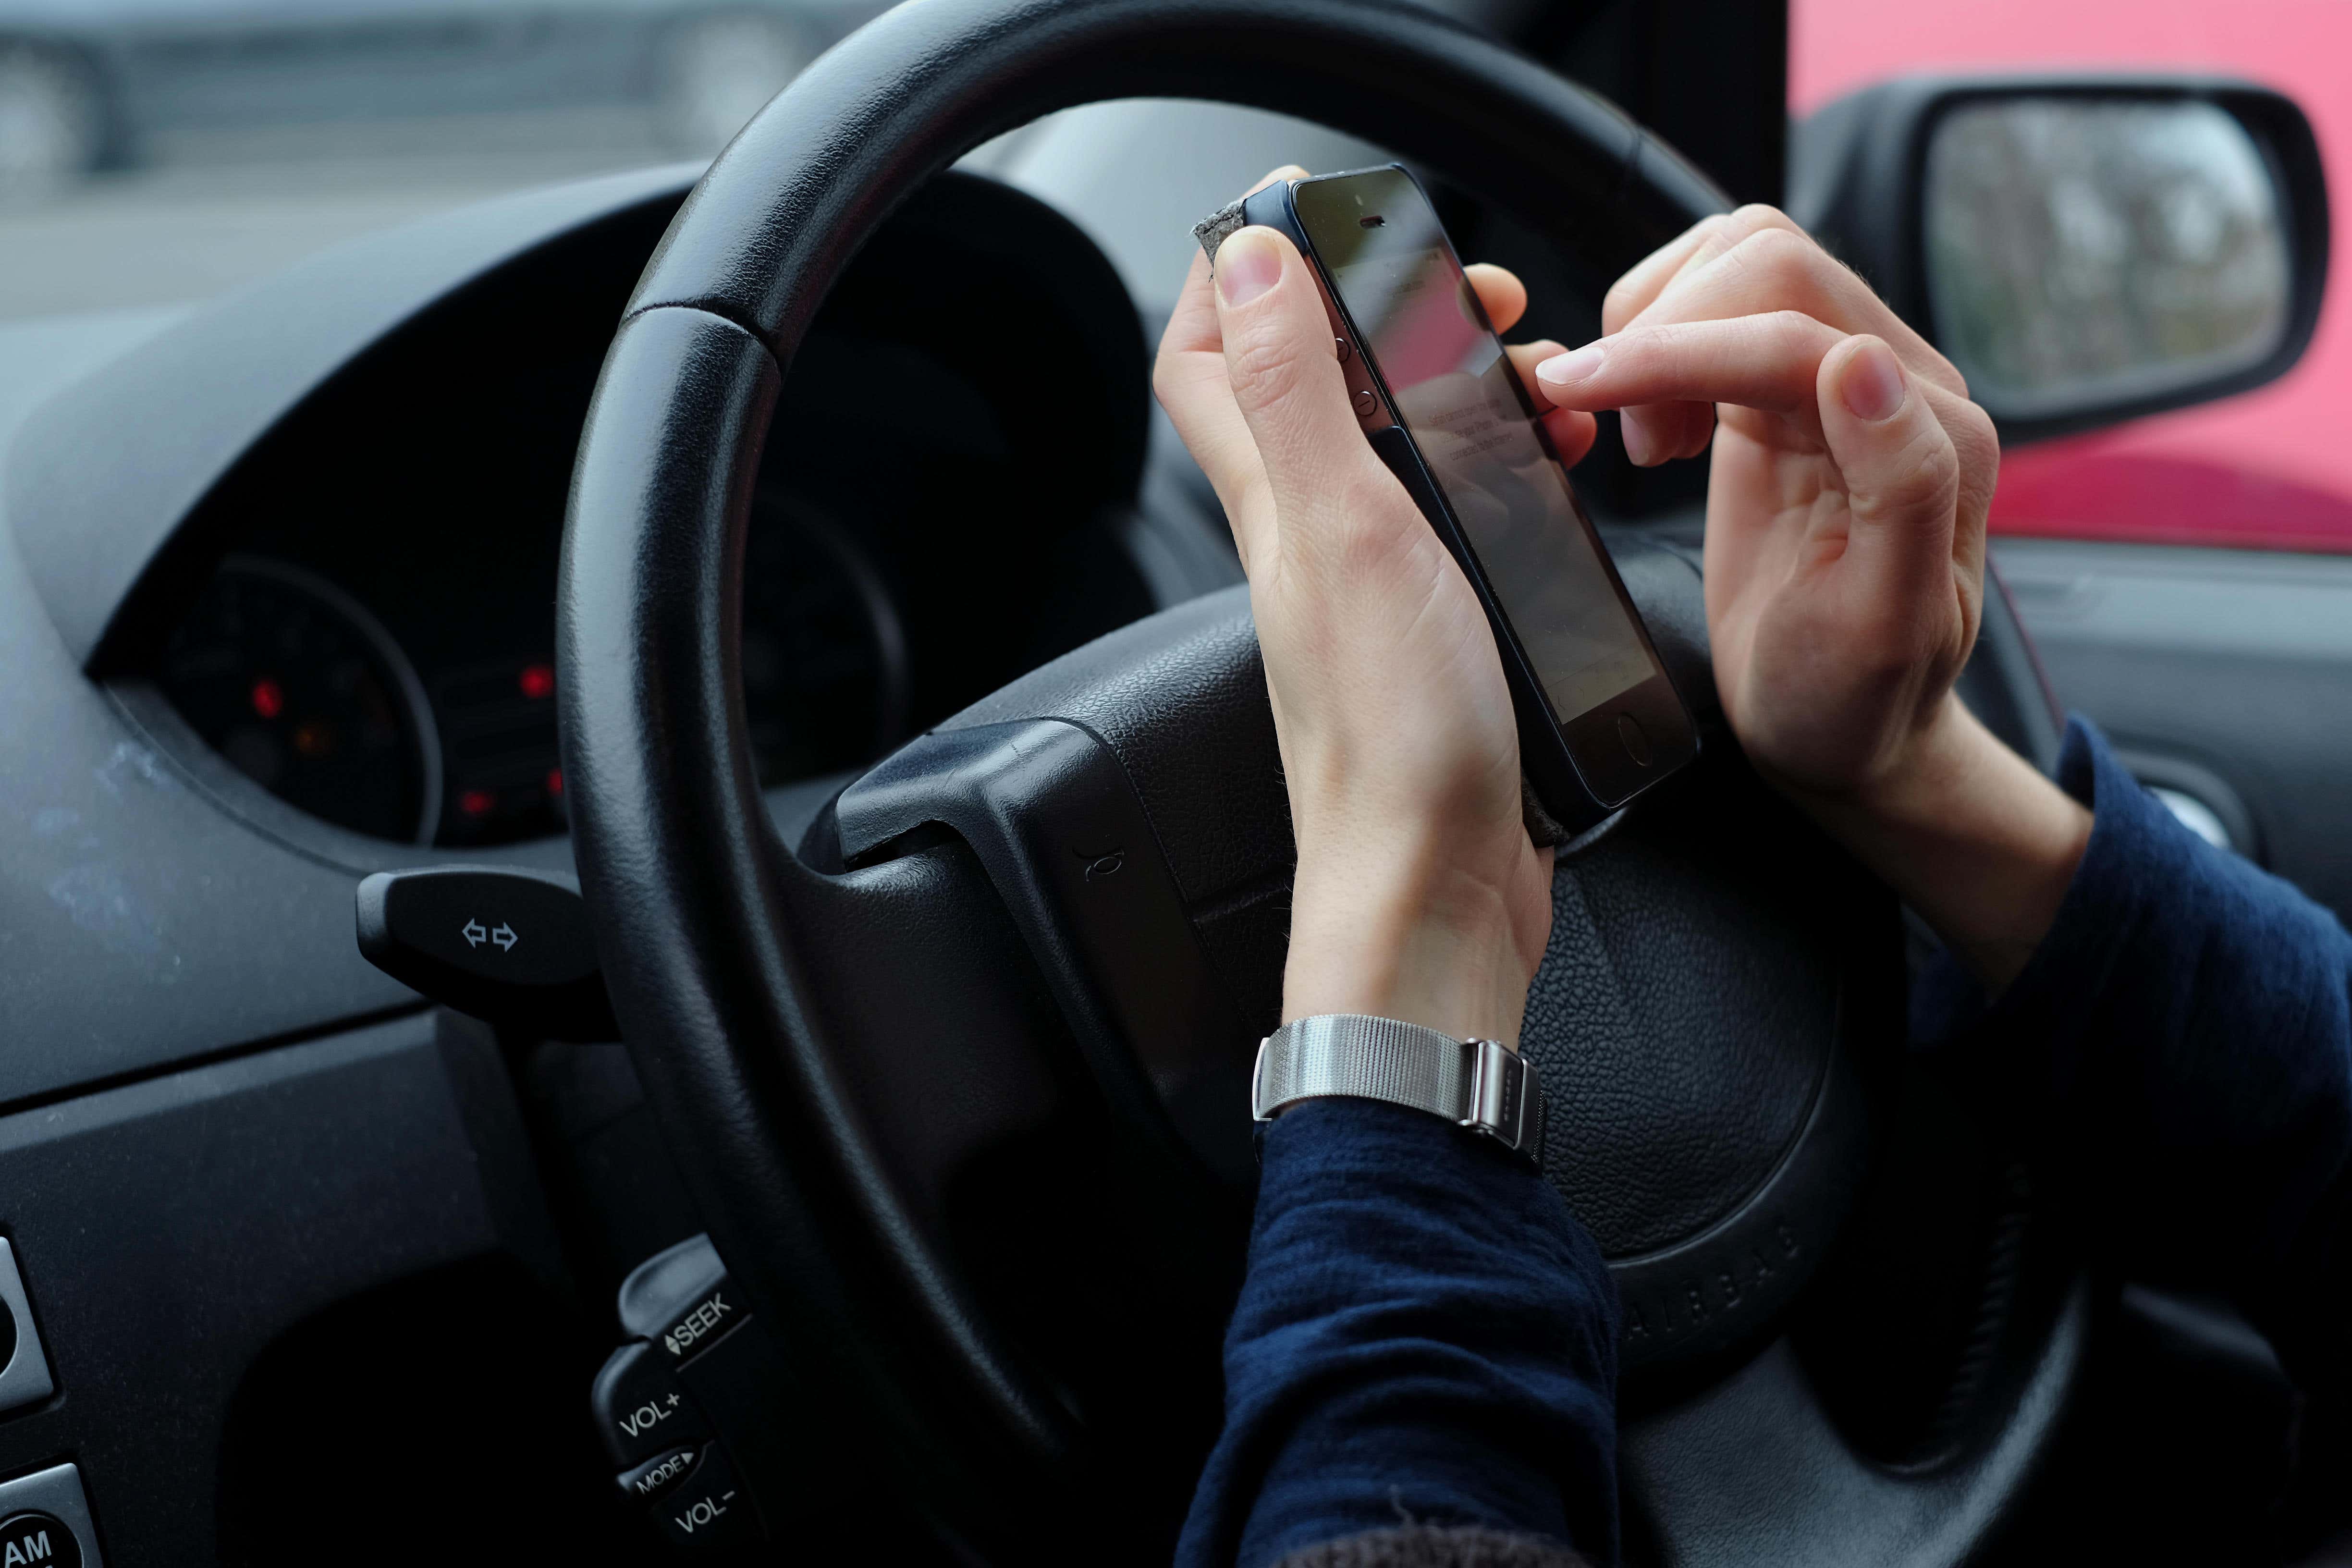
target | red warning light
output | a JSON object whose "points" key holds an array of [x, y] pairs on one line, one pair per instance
{"points": [[538, 681], [476, 802], [269, 698], [555, 781]]}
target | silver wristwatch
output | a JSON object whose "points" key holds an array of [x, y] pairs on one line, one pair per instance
{"points": [[1477, 1084]]}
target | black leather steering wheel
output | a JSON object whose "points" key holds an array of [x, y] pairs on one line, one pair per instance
{"points": [[958, 1082]]}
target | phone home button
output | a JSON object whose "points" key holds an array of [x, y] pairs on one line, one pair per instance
{"points": [[1637, 744]]}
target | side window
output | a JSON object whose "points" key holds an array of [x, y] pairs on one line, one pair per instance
{"points": [[2271, 470]]}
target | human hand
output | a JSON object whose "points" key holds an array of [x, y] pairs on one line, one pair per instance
{"points": [[1845, 547], [1418, 895]]}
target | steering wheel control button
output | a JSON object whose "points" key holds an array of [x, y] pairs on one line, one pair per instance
{"points": [[36, 1539], [710, 1510], [656, 1478], [1636, 744], [510, 946], [682, 1301], [24, 1374], [45, 1522], [714, 1313], [640, 1409]]}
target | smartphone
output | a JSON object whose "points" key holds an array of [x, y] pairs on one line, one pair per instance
{"points": [[1599, 721]]}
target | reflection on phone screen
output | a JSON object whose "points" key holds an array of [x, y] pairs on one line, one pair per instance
{"points": [[1456, 393]]}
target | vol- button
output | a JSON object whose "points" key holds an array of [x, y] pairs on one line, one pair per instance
{"points": [[711, 1508]]}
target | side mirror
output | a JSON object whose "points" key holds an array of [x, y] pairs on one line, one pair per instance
{"points": [[2083, 252]]}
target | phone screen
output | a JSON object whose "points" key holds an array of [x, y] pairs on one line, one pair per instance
{"points": [[1457, 396]]}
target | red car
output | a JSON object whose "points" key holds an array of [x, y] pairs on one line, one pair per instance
{"points": [[2269, 470]]}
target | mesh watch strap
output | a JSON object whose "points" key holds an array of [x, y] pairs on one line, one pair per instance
{"points": [[1478, 1084]]}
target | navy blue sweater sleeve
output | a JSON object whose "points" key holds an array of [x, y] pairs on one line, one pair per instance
{"points": [[1425, 1335], [2179, 1049]]}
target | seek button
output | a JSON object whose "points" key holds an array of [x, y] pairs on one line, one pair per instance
{"points": [[711, 1315]]}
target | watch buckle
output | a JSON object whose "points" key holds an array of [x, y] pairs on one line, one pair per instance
{"points": [[1498, 1097]]}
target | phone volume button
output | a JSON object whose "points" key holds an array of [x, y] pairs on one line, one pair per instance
{"points": [[1366, 405]]}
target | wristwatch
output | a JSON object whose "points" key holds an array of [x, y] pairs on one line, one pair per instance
{"points": [[1478, 1084]]}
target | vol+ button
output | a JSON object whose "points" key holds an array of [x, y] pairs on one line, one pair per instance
{"points": [[640, 1409]]}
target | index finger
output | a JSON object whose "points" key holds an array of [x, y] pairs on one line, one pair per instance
{"points": [[1631, 294]]}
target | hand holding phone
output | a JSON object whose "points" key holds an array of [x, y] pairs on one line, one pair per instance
{"points": [[1435, 394], [1418, 894]]}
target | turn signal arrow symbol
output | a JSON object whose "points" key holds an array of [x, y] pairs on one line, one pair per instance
{"points": [[505, 937], [474, 933]]}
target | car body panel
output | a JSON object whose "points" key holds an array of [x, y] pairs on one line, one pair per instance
{"points": [[2283, 442]]}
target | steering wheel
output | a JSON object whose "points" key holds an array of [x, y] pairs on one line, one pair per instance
{"points": [[959, 1080]]}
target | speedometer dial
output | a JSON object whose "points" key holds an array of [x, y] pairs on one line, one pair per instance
{"points": [[305, 693]]}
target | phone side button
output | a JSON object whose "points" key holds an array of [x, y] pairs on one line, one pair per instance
{"points": [[1346, 350], [1365, 404], [1637, 744]]}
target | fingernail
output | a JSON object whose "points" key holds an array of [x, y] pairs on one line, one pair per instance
{"points": [[1248, 263], [1636, 436], [1568, 368], [1872, 386]]}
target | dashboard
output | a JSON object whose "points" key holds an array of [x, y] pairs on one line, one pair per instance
{"points": [[277, 605], [367, 632]]}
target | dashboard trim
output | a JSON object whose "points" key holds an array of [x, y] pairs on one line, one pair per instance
{"points": [[102, 480]]}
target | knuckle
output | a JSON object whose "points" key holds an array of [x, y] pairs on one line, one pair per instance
{"points": [[1929, 477], [1264, 370], [1940, 369], [1790, 325], [1164, 380], [1976, 431], [1618, 302], [1757, 218], [1777, 254]]}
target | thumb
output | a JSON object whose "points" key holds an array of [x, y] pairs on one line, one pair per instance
{"points": [[1280, 357], [1902, 472]]}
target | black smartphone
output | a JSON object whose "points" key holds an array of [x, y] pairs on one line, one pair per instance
{"points": [[1599, 719]]}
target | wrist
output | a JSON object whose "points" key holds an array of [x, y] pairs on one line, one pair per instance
{"points": [[1970, 833], [1413, 937]]}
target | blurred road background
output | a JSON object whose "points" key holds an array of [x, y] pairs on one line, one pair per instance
{"points": [[212, 212]]}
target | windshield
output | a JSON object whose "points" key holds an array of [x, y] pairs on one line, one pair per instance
{"points": [[153, 151]]}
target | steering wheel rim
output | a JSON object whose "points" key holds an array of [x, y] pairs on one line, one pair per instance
{"points": [[705, 922]]}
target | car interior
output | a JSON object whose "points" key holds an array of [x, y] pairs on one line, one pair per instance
{"points": [[645, 851]]}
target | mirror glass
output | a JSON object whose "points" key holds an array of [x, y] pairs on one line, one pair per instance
{"points": [[2114, 244]]}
